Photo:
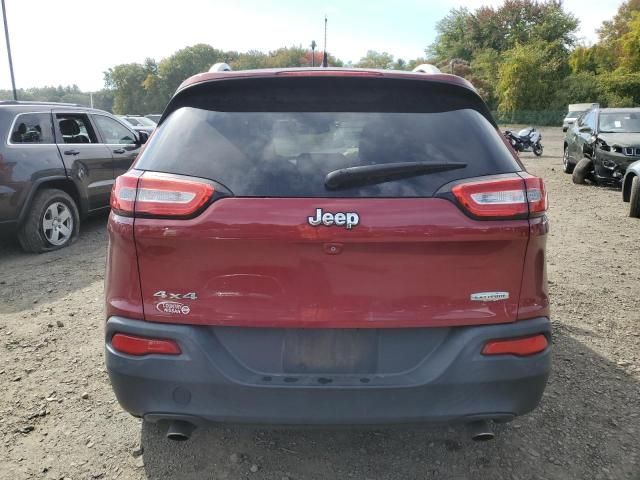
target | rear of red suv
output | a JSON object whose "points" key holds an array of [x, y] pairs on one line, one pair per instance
{"points": [[327, 247]]}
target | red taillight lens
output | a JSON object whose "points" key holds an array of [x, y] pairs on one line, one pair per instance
{"points": [[159, 194], [537, 196], [139, 346], [168, 196], [123, 194], [503, 198], [521, 347]]}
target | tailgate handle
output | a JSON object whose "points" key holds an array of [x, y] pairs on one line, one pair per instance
{"points": [[333, 248]]}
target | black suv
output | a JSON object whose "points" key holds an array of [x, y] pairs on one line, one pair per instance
{"points": [[57, 165], [601, 144]]}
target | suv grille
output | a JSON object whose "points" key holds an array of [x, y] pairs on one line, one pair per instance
{"points": [[631, 151]]}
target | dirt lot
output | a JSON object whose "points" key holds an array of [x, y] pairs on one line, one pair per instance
{"points": [[59, 418]]}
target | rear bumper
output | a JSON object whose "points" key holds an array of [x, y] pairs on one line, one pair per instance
{"points": [[209, 381]]}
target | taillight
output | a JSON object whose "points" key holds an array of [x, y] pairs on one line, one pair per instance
{"points": [[521, 347], [503, 197], [158, 194], [138, 346], [536, 195]]}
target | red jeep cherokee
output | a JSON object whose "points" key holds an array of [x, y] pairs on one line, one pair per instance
{"points": [[327, 246]]}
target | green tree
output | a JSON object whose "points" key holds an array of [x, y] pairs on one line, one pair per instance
{"points": [[614, 29], [484, 74], [579, 87], [453, 39], [127, 81], [175, 69], [375, 59], [529, 76], [462, 33], [629, 45]]}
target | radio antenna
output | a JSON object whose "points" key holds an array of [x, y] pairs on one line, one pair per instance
{"points": [[325, 58]]}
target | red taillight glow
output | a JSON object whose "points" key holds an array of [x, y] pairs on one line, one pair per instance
{"points": [[158, 194], [503, 198], [139, 346], [521, 347]]}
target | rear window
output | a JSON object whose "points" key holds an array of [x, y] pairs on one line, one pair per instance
{"points": [[289, 154], [32, 128]]}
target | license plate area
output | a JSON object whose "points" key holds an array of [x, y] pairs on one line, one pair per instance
{"points": [[330, 351]]}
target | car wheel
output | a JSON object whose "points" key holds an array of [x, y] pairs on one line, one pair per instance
{"points": [[567, 166], [634, 199], [53, 222], [581, 171]]}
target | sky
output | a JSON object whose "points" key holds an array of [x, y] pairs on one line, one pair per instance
{"points": [[66, 42]]}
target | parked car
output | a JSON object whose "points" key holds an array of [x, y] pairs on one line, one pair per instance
{"points": [[575, 110], [317, 246], [602, 144], [139, 124], [631, 189], [58, 163], [154, 117]]}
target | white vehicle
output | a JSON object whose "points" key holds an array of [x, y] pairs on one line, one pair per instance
{"points": [[575, 110]]}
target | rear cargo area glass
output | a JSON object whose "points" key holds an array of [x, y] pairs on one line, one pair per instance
{"points": [[289, 154]]}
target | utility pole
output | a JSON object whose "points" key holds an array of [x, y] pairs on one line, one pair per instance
{"points": [[325, 59], [313, 53], [6, 36]]}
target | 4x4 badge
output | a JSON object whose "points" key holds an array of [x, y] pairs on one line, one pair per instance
{"points": [[340, 219]]}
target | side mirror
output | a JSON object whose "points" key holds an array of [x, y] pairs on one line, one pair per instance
{"points": [[585, 129], [143, 137]]}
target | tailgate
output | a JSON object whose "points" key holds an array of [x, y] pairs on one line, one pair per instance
{"points": [[259, 262]]}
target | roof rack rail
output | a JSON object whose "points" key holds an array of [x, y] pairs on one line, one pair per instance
{"points": [[36, 102], [427, 68], [220, 67]]}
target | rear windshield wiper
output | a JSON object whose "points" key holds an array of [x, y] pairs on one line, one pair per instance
{"points": [[386, 172]]}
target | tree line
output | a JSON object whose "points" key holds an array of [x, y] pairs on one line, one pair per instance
{"points": [[523, 57], [525, 60]]}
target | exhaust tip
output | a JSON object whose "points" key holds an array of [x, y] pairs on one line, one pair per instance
{"points": [[481, 431], [180, 431]]}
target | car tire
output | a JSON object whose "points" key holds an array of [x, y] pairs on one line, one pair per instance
{"points": [[567, 166], [581, 171], [537, 150], [53, 222], [634, 198]]}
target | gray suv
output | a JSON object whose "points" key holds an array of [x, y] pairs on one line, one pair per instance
{"points": [[58, 163]]}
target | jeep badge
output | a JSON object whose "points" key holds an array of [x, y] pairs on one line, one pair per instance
{"points": [[346, 219]]}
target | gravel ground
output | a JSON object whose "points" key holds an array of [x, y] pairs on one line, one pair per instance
{"points": [[59, 418]]}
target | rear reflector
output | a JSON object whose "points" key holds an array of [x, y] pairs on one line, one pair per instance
{"points": [[157, 194], [521, 347], [503, 197], [139, 346]]}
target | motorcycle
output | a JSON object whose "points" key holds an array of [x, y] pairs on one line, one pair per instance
{"points": [[526, 140]]}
